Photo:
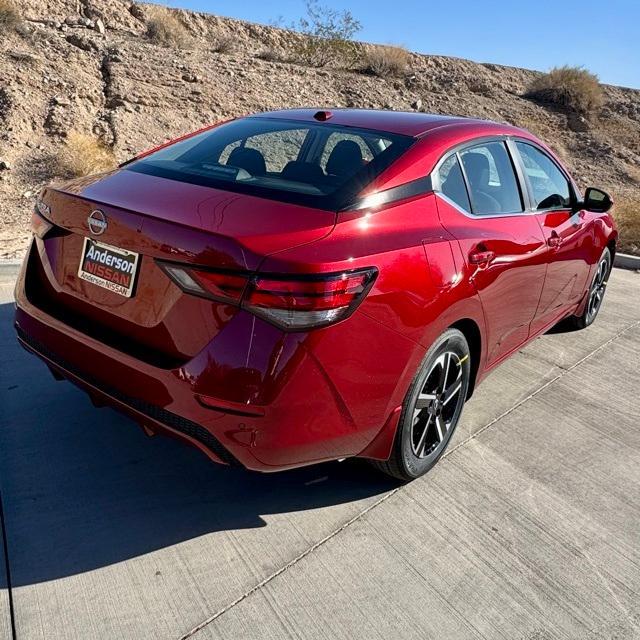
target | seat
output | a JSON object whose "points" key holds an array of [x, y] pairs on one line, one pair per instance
{"points": [[476, 166], [345, 159], [250, 160], [299, 171]]}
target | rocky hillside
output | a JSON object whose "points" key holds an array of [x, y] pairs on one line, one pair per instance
{"points": [[86, 66]]}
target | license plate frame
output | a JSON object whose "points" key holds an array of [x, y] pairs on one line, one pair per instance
{"points": [[109, 267]]}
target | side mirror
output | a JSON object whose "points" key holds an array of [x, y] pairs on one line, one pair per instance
{"points": [[597, 200]]}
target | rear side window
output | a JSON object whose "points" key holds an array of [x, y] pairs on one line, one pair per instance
{"points": [[313, 164], [452, 183], [491, 178], [550, 189]]}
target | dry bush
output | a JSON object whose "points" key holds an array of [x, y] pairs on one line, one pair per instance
{"points": [[9, 16], [270, 55], [164, 28], [83, 155], [224, 43], [572, 88], [627, 215], [386, 60]]}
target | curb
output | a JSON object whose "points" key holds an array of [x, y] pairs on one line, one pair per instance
{"points": [[10, 267], [626, 261]]}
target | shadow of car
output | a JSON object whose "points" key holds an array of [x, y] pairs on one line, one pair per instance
{"points": [[83, 489]]}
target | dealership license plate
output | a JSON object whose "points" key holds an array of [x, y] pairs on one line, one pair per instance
{"points": [[108, 267]]}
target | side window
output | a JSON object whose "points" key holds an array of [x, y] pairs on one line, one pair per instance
{"points": [[492, 180], [550, 187], [452, 183], [277, 148]]}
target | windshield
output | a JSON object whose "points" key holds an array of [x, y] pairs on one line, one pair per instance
{"points": [[313, 164]]}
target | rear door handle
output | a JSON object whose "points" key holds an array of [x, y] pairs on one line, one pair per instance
{"points": [[481, 257], [554, 240]]}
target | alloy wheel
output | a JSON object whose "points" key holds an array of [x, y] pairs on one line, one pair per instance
{"points": [[598, 288], [437, 404]]}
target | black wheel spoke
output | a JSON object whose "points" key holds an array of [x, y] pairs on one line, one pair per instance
{"points": [[424, 400], [437, 404], [423, 437], [452, 391]]}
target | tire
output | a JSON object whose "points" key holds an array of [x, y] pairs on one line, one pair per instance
{"points": [[431, 409], [595, 294]]}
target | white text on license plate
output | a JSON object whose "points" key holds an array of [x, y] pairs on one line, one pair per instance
{"points": [[108, 267]]}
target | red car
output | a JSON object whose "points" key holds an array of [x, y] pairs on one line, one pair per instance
{"points": [[300, 286]]}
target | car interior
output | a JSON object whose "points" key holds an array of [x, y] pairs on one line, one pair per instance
{"points": [[343, 160]]}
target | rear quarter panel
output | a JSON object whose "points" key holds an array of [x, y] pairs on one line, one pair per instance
{"points": [[372, 356]]}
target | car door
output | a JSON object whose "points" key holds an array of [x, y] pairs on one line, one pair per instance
{"points": [[566, 232], [480, 202]]}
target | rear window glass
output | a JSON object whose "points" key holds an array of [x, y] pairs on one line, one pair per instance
{"points": [[318, 165]]}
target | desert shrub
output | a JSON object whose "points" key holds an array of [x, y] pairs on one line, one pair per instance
{"points": [[327, 36], [572, 88], [83, 155], [9, 16], [627, 215], [269, 55], [224, 43], [164, 28], [385, 60]]}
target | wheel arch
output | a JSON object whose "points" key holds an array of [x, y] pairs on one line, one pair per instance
{"points": [[381, 445], [471, 331], [611, 245]]}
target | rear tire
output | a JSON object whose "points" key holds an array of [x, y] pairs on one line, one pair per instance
{"points": [[431, 409], [596, 292]]}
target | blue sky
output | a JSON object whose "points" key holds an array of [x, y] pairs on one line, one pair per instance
{"points": [[603, 36]]}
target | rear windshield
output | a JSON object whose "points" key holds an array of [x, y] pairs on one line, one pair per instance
{"points": [[318, 165]]}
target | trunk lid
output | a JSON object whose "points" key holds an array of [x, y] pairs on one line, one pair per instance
{"points": [[159, 219]]}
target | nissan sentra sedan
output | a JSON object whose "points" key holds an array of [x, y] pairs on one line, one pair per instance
{"points": [[309, 285]]}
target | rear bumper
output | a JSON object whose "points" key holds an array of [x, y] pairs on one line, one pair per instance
{"points": [[293, 399], [146, 414]]}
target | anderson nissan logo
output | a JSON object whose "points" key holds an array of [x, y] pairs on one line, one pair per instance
{"points": [[97, 222]]}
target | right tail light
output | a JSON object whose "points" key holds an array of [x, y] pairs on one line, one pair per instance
{"points": [[293, 303]]}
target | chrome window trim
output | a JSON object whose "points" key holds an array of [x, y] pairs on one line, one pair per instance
{"points": [[486, 216], [514, 155], [573, 196]]}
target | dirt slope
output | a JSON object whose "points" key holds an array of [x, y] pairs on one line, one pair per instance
{"points": [[62, 71]]}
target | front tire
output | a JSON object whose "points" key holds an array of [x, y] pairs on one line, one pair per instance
{"points": [[431, 409], [596, 293]]}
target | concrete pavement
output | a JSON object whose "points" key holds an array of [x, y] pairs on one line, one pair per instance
{"points": [[529, 528]]}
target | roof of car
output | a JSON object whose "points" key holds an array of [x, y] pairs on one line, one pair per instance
{"points": [[410, 123]]}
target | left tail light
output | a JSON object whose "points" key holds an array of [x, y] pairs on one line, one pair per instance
{"points": [[293, 303], [40, 224]]}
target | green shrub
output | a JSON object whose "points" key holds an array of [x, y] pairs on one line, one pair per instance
{"points": [[572, 88], [327, 36], [385, 60]]}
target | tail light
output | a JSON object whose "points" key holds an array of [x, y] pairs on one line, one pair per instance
{"points": [[39, 223], [292, 303]]}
